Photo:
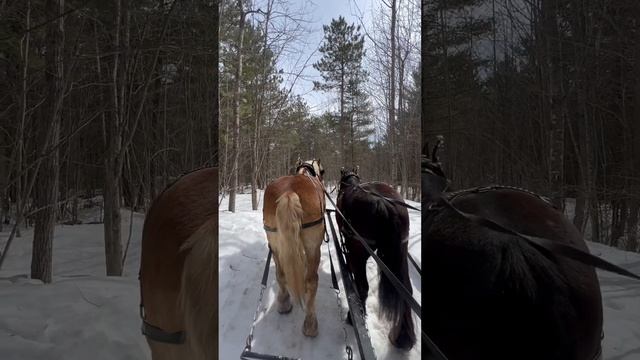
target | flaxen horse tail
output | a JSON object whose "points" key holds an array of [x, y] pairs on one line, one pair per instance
{"points": [[290, 249], [198, 289]]}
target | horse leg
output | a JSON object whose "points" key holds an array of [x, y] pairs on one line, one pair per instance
{"points": [[284, 300], [358, 264], [312, 239]]}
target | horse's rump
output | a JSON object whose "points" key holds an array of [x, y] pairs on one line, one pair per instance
{"points": [[373, 216], [497, 293], [181, 221], [308, 189]]}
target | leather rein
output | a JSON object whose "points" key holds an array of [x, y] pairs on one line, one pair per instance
{"points": [[373, 192]]}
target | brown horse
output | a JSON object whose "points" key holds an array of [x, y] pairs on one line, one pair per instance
{"points": [[179, 269], [491, 294], [293, 216]]}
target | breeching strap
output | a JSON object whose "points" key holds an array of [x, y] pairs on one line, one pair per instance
{"points": [[394, 201]]}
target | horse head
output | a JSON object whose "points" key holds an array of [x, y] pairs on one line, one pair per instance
{"points": [[349, 177], [313, 167], [434, 181]]}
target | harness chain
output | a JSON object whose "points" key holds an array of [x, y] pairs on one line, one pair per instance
{"points": [[336, 288], [246, 352]]}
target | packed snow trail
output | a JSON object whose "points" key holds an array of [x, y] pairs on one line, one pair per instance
{"points": [[243, 252]]}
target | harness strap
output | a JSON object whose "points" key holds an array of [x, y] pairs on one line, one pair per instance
{"points": [[565, 250], [157, 334], [334, 278], [394, 201], [414, 264], [304, 226]]}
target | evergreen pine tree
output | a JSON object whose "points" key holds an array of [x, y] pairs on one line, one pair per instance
{"points": [[341, 70]]}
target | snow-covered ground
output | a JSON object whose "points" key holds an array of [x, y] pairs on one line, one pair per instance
{"points": [[621, 305], [243, 251], [83, 314]]}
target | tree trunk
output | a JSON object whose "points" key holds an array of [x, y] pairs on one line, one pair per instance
{"points": [[392, 96], [555, 104], [236, 113], [46, 192], [112, 223], [632, 225], [111, 192]]}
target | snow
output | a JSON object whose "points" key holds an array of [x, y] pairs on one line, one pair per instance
{"points": [[84, 314], [243, 252]]}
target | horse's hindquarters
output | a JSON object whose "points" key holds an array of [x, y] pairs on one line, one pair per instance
{"points": [[180, 231], [503, 298]]}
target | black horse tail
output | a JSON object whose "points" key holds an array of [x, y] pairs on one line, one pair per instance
{"points": [[393, 252]]}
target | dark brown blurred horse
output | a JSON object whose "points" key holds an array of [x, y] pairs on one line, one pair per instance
{"points": [[293, 215], [384, 225], [179, 269], [489, 294]]}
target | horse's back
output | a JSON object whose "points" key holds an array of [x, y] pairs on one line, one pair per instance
{"points": [[372, 216], [308, 189], [500, 294], [174, 216]]}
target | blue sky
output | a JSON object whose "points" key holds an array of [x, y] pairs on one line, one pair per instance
{"points": [[320, 12]]}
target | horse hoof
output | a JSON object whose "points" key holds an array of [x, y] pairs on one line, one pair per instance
{"points": [[310, 326], [285, 307]]}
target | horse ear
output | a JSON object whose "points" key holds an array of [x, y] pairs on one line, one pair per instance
{"points": [[299, 161], [434, 154], [357, 169]]}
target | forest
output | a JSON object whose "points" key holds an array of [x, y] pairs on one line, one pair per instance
{"points": [[544, 95], [366, 71], [104, 103]]}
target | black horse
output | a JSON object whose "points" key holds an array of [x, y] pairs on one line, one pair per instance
{"points": [[491, 294], [384, 224]]}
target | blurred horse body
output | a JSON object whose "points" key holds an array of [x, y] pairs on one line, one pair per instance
{"points": [[179, 266], [490, 294]]}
